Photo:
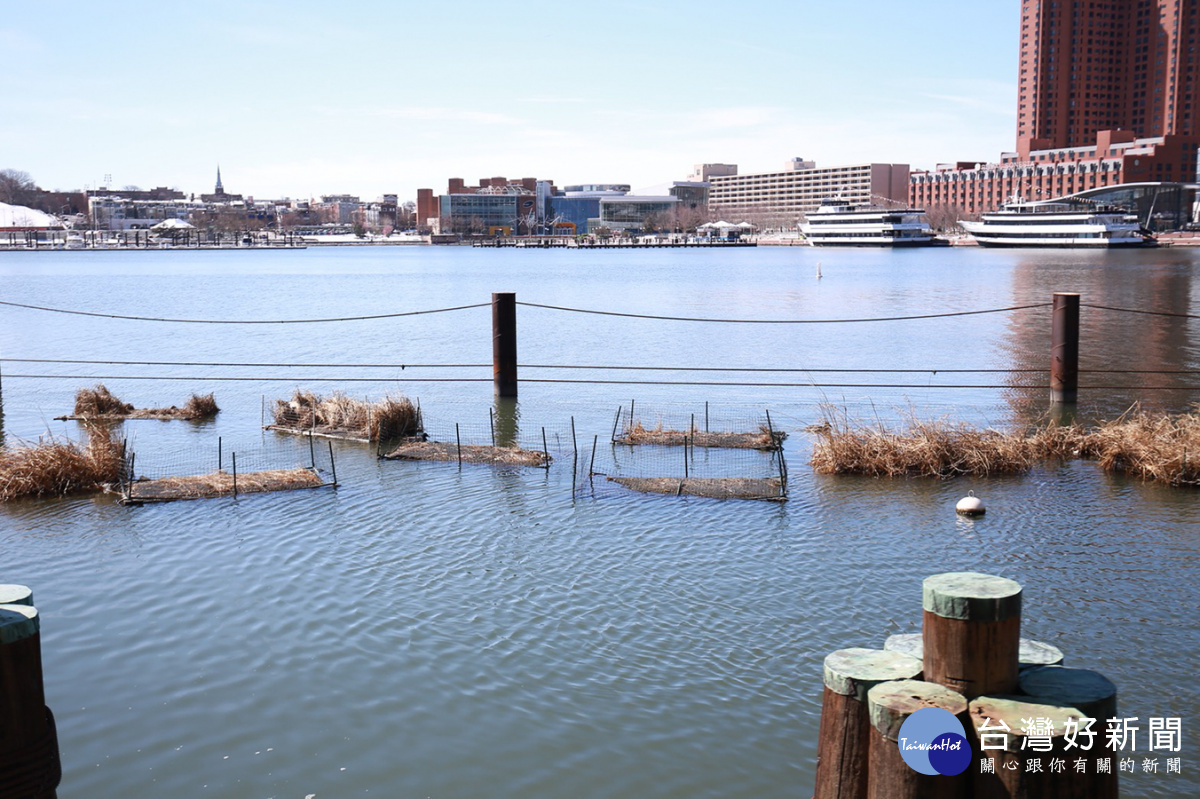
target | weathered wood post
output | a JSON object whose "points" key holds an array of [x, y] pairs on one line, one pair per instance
{"points": [[1030, 654], [890, 704], [1064, 349], [504, 343], [1028, 749], [971, 632], [1089, 691], [845, 728], [29, 763]]}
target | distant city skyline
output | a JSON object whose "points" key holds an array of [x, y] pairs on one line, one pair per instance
{"points": [[383, 98]]}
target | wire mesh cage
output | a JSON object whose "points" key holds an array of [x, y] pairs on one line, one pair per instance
{"points": [[225, 469]]}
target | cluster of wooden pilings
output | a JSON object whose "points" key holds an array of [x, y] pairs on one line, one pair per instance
{"points": [[29, 763], [970, 660]]}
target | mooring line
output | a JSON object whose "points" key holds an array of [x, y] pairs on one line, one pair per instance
{"points": [[784, 321], [241, 321]]}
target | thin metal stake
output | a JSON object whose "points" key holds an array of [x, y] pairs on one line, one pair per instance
{"points": [[234, 455], [616, 421], [312, 454], [220, 460], [492, 424], [592, 465], [332, 465], [458, 440], [770, 430], [685, 459], [545, 449], [706, 416]]}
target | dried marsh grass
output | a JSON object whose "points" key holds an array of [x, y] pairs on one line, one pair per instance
{"points": [[58, 468], [390, 418], [99, 404], [764, 438], [1160, 447], [1149, 446], [220, 484], [99, 401], [470, 453], [711, 487]]}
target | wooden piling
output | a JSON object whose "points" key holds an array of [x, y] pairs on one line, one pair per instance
{"points": [[1030, 654], [1089, 691], [844, 733], [1013, 733], [890, 777], [16, 595], [504, 343], [1064, 349], [971, 632], [29, 763]]}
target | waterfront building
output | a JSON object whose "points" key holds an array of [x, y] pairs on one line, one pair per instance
{"points": [[1107, 65], [632, 213], [1106, 97], [501, 206], [779, 199], [1115, 157], [576, 209]]}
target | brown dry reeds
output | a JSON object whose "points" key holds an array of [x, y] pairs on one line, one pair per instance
{"points": [[764, 438], [390, 418], [1150, 446], [469, 453], [58, 468], [200, 406], [99, 404], [1160, 447], [711, 487], [96, 402], [933, 448], [221, 484]]}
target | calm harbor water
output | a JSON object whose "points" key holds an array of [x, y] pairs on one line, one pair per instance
{"points": [[430, 631]]}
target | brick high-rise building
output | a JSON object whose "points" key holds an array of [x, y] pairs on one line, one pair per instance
{"points": [[1108, 94], [1093, 65]]}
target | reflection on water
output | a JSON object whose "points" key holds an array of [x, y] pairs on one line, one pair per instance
{"points": [[430, 630], [1124, 358]]}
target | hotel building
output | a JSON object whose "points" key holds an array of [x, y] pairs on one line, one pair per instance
{"points": [[1106, 96], [800, 188]]}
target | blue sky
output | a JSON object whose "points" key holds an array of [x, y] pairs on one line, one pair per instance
{"points": [[302, 98]]}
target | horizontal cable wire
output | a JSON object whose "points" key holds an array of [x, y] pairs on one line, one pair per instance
{"points": [[596, 367], [242, 321], [294, 379], [1139, 311], [784, 321], [520, 366]]}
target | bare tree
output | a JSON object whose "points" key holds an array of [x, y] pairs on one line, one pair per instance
{"points": [[17, 187]]}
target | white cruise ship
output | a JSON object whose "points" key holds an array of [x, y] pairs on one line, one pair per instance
{"points": [[1058, 223], [838, 224]]}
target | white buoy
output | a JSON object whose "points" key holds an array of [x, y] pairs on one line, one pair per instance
{"points": [[818, 270], [970, 505]]}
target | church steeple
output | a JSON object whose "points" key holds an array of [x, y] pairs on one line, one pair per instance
{"points": [[219, 189]]}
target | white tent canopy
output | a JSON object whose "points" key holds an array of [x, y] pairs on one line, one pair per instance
{"points": [[173, 224]]}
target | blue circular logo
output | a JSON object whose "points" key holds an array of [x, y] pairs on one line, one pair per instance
{"points": [[933, 741]]}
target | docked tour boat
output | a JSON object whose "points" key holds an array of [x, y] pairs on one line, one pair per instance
{"points": [[839, 224], [1058, 223]]}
